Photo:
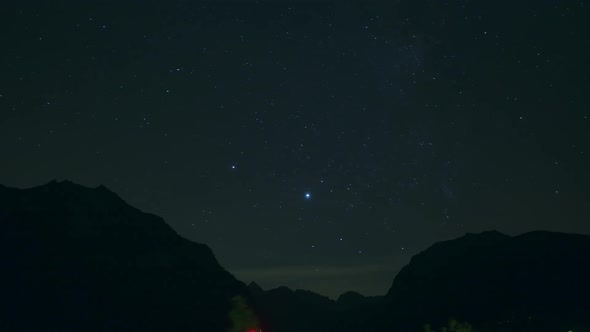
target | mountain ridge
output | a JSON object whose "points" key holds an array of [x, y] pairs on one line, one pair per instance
{"points": [[121, 267], [490, 277], [83, 259]]}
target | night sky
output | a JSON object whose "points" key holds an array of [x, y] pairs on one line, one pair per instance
{"points": [[313, 144]]}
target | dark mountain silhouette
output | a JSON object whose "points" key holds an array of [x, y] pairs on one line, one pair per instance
{"points": [[538, 281], [81, 259], [287, 310]]}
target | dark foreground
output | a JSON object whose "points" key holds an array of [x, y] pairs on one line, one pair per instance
{"points": [[81, 259]]}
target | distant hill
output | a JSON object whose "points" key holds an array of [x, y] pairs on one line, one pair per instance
{"points": [[286, 310], [538, 281], [80, 259]]}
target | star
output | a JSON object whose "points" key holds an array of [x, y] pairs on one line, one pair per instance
{"points": [[307, 195]]}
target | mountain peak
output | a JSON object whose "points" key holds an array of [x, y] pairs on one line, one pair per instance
{"points": [[537, 274], [70, 186], [350, 297], [255, 288], [491, 234], [85, 214], [89, 254]]}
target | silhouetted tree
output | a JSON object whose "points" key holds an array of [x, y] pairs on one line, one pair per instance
{"points": [[242, 317]]}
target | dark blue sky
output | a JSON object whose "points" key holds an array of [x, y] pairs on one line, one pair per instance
{"points": [[407, 122]]}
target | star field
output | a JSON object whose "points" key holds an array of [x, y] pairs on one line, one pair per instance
{"points": [[314, 145]]}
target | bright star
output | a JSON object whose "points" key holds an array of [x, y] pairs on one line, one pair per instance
{"points": [[307, 195]]}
